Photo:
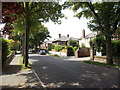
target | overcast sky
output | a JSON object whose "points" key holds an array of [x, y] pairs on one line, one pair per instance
{"points": [[72, 26]]}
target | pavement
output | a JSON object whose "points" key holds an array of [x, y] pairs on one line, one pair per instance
{"points": [[15, 77], [65, 72]]}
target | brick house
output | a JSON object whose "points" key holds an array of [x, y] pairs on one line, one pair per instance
{"points": [[63, 40]]}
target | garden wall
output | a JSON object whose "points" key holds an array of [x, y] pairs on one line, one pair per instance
{"points": [[58, 53], [83, 52]]}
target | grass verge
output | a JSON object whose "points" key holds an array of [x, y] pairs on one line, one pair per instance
{"points": [[102, 64], [55, 55], [23, 65]]}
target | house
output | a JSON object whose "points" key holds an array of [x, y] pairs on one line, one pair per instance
{"points": [[85, 39], [63, 40], [46, 44]]}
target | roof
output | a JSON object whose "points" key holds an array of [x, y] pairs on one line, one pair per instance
{"points": [[65, 38], [91, 35]]}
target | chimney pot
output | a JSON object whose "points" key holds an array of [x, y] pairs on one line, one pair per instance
{"points": [[68, 35], [83, 33], [59, 35]]}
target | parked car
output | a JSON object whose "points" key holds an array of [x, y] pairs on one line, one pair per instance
{"points": [[43, 52], [31, 51]]}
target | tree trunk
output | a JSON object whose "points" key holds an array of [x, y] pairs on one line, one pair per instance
{"points": [[27, 29], [109, 50], [109, 59]]}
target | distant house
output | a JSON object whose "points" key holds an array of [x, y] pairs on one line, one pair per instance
{"points": [[63, 40], [46, 44], [85, 39]]}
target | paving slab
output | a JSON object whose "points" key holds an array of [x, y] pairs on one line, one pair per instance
{"points": [[13, 77]]}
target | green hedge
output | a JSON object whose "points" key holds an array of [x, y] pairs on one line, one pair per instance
{"points": [[50, 47], [70, 51], [14, 45], [116, 48], [58, 48], [5, 50]]}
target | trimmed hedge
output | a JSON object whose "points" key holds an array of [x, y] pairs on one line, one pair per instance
{"points": [[5, 50], [58, 48], [70, 51]]}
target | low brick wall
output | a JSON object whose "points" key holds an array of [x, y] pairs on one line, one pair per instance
{"points": [[103, 59], [58, 53]]}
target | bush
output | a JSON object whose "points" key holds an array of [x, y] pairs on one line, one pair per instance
{"points": [[50, 47], [58, 48], [83, 45], [73, 43], [70, 51], [75, 48], [14, 45], [5, 50], [116, 48], [99, 44]]}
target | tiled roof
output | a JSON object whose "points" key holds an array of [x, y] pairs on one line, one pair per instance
{"points": [[65, 38]]}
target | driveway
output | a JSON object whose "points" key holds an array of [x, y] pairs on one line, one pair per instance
{"points": [[60, 72]]}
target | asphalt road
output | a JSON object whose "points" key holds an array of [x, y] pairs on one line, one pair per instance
{"points": [[56, 72]]}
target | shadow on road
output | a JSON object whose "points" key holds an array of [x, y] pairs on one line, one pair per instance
{"points": [[64, 73]]}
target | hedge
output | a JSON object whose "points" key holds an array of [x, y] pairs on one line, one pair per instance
{"points": [[58, 48], [70, 51], [5, 50], [116, 48]]}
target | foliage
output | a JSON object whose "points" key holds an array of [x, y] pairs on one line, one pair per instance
{"points": [[14, 45], [5, 50], [116, 48], [83, 45], [58, 48], [101, 19], [75, 48], [50, 47], [70, 51], [73, 43], [99, 43], [37, 38]]}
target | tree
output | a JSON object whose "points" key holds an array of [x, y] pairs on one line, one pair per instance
{"points": [[104, 18], [39, 36], [38, 12]]}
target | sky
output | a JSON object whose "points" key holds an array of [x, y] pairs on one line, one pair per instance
{"points": [[72, 26]]}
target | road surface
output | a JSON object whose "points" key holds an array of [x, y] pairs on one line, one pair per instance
{"points": [[57, 72]]}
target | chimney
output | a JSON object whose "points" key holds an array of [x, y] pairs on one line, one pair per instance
{"points": [[59, 35], [68, 35], [83, 33]]}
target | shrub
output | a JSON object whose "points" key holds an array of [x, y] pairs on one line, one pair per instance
{"points": [[5, 50], [73, 43], [75, 48], [58, 48], [83, 45], [70, 51], [14, 45], [50, 47], [99, 44], [116, 48]]}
